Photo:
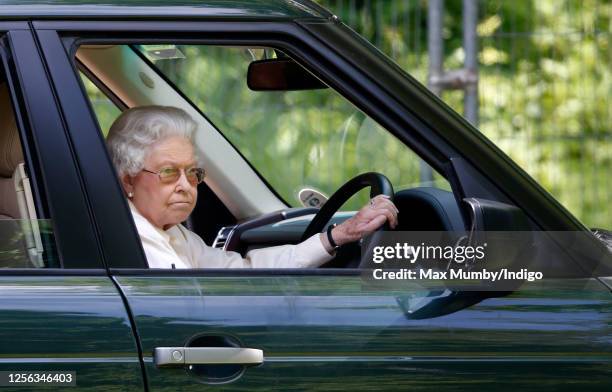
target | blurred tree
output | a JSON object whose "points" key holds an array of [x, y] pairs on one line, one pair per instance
{"points": [[544, 88], [545, 83]]}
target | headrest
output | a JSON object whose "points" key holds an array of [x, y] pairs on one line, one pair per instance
{"points": [[10, 146]]}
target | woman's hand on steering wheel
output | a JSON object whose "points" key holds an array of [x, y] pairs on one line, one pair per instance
{"points": [[373, 215]]}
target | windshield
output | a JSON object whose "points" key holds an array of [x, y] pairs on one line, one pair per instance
{"points": [[308, 139]]}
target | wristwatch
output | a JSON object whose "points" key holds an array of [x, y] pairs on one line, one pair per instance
{"points": [[330, 239]]}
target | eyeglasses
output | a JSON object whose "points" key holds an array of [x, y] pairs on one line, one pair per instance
{"points": [[168, 175]]}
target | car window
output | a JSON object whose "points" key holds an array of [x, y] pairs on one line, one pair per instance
{"points": [[25, 240], [106, 111], [290, 140], [297, 140]]}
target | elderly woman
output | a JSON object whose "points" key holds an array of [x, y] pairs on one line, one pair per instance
{"points": [[152, 149]]}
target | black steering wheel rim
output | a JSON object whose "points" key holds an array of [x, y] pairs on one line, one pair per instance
{"points": [[379, 185]]}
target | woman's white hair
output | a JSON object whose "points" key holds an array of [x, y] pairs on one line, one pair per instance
{"points": [[136, 129]]}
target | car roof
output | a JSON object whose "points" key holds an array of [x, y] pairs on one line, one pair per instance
{"points": [[166, 9]]}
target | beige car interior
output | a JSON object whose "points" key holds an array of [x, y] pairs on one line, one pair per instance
{"points": [[17, 211], [132, 80]]}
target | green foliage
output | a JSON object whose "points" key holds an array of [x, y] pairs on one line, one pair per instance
{"points": [[544, 86], [106, 111], [294, 139]]}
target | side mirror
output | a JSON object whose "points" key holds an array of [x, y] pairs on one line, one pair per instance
{"points": [[488, 215], [280, 75], [437, 303], [507, 231]]}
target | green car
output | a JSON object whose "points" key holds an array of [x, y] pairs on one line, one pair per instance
{"points": [[290, 104]]}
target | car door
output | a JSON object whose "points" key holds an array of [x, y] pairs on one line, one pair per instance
{"points": [[328, 329], [62, 319]]}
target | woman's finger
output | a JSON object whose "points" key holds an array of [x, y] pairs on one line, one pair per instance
{"points": [[389, 212], [382, 212], [389, 203], [391, 217], [381, 200], [373, 225]]}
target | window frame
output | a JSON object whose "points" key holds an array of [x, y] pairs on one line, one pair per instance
{"points": [[286, 36], [55, 182], [114, 99]]}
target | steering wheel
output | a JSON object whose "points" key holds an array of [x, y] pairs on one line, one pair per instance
{"points": [[379, 185]]}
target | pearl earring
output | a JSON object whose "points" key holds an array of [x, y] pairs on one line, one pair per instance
{"points": [[130, 195]]}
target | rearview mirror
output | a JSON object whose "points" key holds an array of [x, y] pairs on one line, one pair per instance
{"points": [[280, 75]]}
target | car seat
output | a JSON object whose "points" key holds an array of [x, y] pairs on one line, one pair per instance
{"points": [[21, 244]]}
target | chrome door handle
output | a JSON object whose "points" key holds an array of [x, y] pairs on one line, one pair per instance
{"points": [[177, 356]]}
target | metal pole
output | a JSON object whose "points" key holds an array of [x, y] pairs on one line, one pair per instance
{"points": [[435, 44], [470, 46], [435, 48]]}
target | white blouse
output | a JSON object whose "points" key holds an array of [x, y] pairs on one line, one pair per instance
{"points": [[179, 247]]}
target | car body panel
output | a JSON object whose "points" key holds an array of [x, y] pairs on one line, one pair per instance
{"points": [[331, 330], [68, 323]]}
